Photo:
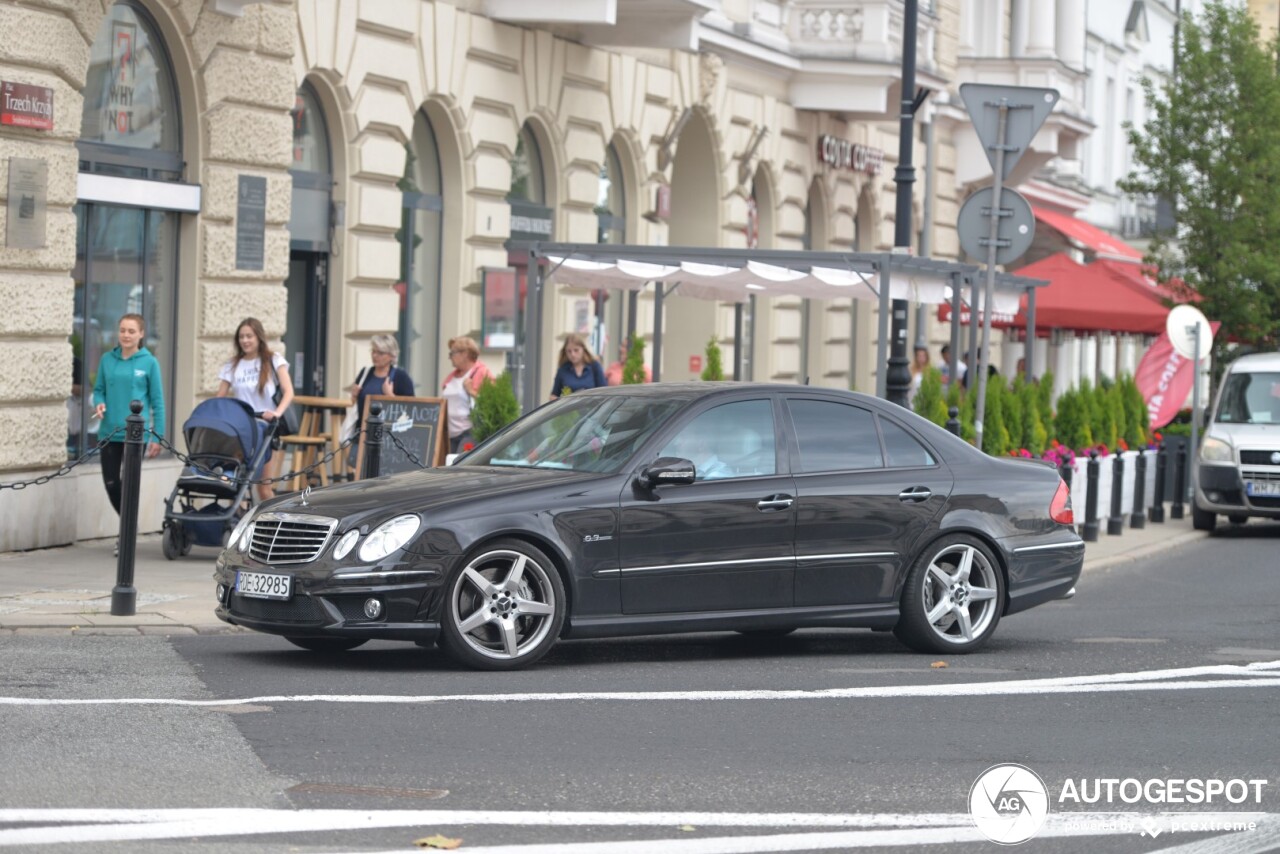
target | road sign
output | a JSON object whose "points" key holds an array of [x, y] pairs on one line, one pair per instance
{"points": [[1016, 230], [1028, 108]]}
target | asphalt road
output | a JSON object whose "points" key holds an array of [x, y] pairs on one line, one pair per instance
{"points": [[673, 742]]}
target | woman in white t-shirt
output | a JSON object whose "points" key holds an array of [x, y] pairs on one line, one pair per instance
{"points": [[252, 376]]}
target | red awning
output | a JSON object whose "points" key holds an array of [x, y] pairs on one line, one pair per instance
{"points": [[1092, 237], [1092, 298]]}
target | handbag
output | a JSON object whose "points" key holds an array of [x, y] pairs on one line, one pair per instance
{"points": [[352, 418], [290, 420]]}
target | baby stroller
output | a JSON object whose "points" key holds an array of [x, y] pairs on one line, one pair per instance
{"points": [[227, 447]]}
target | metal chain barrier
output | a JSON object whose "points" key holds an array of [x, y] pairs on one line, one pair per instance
{"points": [[408, 453], [66, 469], [187, 461]]}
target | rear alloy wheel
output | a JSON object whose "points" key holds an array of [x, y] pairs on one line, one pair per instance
{"points": [[327, 644], [504, 608], [1203, 520], [953, 597]]}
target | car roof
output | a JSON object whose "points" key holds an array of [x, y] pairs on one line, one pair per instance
{"points": [[699, 388], [1255, 362]]}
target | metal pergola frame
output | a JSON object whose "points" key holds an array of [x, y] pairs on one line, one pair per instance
{"points": [[869, 265]]}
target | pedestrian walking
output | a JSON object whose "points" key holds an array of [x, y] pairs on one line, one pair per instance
{"points": [[384, 378], [578, 369], [460, 389], [127, 373], [254, 375]]}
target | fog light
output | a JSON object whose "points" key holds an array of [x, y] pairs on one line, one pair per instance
{"points": [[222, 592], [372, 609], [1215, 497]]}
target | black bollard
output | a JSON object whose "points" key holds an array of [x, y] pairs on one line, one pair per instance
{"points": [[1065, 471], [1090, 532], [1115, 522], [1179, 482], [1157, 509], [953, 420], [1138, 518], [373, 441], [124, 597]]}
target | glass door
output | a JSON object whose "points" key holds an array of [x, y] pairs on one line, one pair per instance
{"points": [[307, 319], [126, 263]]}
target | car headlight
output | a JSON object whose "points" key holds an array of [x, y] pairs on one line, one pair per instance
{"points": [[1215, 450], [346, 544], [388, 537], [243, 525]]}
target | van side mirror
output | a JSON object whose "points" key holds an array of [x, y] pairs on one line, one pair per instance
{"points": [[667, 471]]}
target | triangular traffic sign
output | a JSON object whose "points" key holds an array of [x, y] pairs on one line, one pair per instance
{"points": [[1029, 107]]}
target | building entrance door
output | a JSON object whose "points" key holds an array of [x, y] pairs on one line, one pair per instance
{"points": [[307, 320]]}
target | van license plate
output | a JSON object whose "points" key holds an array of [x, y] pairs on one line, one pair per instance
{"points": [[261, 585], [1262, 488]]}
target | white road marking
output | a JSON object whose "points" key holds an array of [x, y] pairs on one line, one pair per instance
{"points": [[876, 829], [1264, 674]]}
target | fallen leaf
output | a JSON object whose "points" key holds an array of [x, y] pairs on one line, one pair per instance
{"points": [[688, 827], [938, 664], [437, 841]]}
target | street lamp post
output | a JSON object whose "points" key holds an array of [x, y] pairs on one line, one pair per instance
{"points": [[898, 375]]}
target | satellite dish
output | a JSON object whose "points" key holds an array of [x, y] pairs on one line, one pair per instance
{"points": [[1181, 324]]}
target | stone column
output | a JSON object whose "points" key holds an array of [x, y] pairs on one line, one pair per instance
{"points": [[1038, 18], [1071, 32]]}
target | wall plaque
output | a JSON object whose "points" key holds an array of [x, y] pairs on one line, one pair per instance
{"points": [[28, 189], [251, 222]]}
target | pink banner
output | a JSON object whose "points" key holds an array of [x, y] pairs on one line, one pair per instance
{"points": [[1164, 378]]}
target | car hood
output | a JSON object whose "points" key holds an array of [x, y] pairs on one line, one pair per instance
{"points": [[421, 490], [1247, 435]]}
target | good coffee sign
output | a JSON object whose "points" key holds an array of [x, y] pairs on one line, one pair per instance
{"points": [[25, 106], [843, 154]]}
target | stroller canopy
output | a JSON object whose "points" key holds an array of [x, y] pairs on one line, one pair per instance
{"points": [[230, 417]]}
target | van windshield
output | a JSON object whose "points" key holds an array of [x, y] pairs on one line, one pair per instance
{"points": [[1250, 399]]}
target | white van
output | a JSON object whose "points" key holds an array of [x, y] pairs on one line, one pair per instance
{"points": [[1238, 467]]}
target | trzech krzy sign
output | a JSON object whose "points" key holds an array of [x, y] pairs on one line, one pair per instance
{"points": [[843, 154], [26, 106]]}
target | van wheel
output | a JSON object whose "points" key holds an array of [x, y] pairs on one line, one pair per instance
{"points": [[1203, 520]]}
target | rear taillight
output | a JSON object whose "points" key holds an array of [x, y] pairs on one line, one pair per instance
{"points": [[1060, 508]]}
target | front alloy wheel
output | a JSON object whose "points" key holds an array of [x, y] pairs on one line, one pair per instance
{"points": [[953, 598], [505, 608]]}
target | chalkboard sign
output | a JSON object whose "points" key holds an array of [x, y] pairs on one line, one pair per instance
{"points": [[420, 426]]}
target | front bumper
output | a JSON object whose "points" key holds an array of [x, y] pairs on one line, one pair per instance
{"points": [[329, 601], [1220, 489]]}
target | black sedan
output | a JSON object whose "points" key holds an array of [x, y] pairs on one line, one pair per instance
{"points": [[665, 508]]}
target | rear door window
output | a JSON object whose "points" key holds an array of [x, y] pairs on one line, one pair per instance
{"points": [[835, 436]]}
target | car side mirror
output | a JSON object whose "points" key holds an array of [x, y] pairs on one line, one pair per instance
{"points": [[667, 471]]}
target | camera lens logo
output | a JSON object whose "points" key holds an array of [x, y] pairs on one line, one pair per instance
{"points": [[1009, 803]]}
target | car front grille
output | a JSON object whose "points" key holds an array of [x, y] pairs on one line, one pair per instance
{"points": [[1272, 476], [288, 538], [299, 609], [1257, 458]]}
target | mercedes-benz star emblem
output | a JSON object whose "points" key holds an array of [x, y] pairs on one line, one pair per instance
{"points": [[1275, 458], [306, 493]]}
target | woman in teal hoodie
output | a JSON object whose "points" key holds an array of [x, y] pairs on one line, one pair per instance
{"points": [[127, 373]]}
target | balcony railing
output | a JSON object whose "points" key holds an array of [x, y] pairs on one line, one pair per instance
{"points": [[870, 30]]}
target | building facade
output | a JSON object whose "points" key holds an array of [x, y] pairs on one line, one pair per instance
{"points": [[341, 169]]}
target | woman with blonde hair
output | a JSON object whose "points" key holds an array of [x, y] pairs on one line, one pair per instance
{"points": [[578, 369], [252, 375], [460, 389], [385, 377]]}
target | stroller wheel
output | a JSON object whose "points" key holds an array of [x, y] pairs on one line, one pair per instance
{"points": [[172, 541], [188, 540]]}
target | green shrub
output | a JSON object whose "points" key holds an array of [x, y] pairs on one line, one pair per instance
{"points": [[995, 431], [968, 410], [1015, 417], [1044, 395], [714, 369], [495, 407], [1135, 407], [1072, 421], [928, 401], [633, 368], [1034, 437]]}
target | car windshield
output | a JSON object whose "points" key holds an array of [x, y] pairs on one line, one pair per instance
{"points": [[593, 433], [1250, 399]]}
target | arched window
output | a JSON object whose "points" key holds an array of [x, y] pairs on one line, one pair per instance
{"points": [[527, 180], [419, 286], [130, 154], [611, 200]]}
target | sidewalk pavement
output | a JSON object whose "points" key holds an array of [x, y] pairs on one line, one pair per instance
{"points": [[68, 589]]}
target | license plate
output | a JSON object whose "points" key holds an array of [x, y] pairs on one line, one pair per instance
{"points": [[261, 585], [1262, 488]]}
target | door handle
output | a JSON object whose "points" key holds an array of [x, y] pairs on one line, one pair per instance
{"points": [[916, 494], [774, 502]]}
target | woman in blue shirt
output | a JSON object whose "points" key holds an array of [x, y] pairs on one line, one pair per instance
{"points": [[578, 370]]}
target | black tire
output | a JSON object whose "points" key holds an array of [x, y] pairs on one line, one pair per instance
{"points": [[1203, 520], [171, 540], [503, 608], [327, 644], [1237, 518], [765, 633], [188, 540], [939, 585]]}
